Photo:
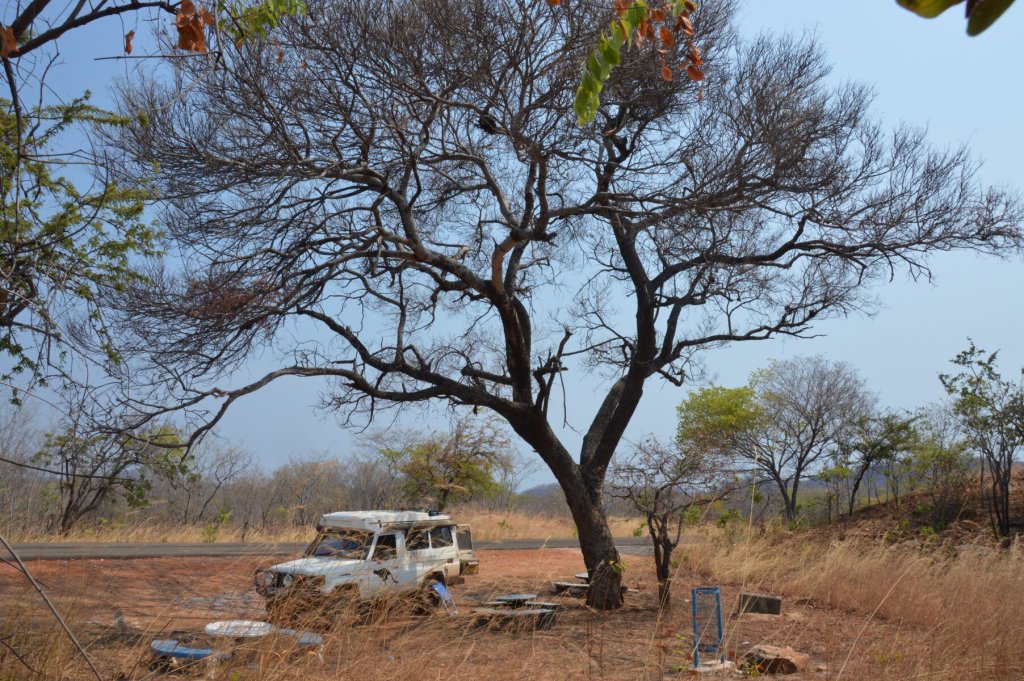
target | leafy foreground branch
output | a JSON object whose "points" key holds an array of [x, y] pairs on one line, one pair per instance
{"points": [[980, 13], [637, 22], [60, 247]]}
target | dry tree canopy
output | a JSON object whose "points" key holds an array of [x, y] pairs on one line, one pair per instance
{"points": [[403, 187]]}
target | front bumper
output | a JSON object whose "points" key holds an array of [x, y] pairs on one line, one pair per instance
{"points": [[270, 584]]}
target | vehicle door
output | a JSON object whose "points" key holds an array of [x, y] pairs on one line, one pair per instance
{"points": [[467, 556], [421, 557], [444, 554], [382, 573]]}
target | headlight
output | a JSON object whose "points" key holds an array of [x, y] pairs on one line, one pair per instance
{"points": [[287, 580]]}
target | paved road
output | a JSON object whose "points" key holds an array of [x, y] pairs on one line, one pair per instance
{"points": [[159, 550]]}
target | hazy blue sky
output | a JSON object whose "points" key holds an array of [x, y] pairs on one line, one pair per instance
{"points": [[924, 72]]}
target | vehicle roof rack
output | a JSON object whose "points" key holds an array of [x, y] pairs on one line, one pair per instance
{"points": [[373, 521]]}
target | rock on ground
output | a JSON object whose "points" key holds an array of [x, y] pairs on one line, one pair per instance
{"points": [[775, 660]]}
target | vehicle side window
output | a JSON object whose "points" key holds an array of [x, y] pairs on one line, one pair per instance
{"points": [[417, 540], [386, 548], [441, 537]]}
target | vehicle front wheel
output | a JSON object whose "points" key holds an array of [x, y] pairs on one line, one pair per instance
{"points": [[426, 599]]}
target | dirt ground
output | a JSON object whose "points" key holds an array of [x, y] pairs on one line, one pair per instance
{"points": [[117, 606]]}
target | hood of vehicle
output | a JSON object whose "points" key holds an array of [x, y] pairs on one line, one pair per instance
{"points": [[319, 566]]}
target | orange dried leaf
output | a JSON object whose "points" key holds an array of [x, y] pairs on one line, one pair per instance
{"points": [[280, 56], [691, 6], [666, 73], [694, 73], [190, 28], [667, 39], [685, 25], [620, 7], [128, 37], [8, 43], [658, 14], [554, 3], [694, 53], [207, 17], [191, 37]]}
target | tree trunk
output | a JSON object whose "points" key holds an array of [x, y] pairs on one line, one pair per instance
{"points": [[665, 594], [599, 554], [583, 496], [788, 503], [791, 499], [862, 471], [663, 571]]}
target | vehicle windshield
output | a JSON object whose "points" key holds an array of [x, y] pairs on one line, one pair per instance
{"points": [[340, 544]]}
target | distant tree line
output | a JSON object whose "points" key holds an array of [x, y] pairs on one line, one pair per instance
{"points": [[805, 439], [68, 480]]}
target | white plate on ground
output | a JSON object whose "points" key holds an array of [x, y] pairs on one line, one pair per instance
{"points": [[239, 629]]}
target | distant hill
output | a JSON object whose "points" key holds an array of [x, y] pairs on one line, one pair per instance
{"points": [[541, 491]]}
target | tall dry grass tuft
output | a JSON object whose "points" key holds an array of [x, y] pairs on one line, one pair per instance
{"points": [[389, 643], [966, 603], [33, 646]]}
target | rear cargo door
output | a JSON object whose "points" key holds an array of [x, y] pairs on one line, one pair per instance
{"points": [[467, 556]]}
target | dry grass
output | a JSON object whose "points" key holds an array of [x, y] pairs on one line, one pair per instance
{"points": [[154, 532], [498, 526], [955, 613], [487, 526], [116, 615], [863, 612]]}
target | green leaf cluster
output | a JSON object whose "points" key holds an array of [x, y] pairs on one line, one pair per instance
{"points": [[256, 20], [442, 469], [607, 55], [709, 418], [985, 401], [59, 245], [980, 13], [99, 469]]}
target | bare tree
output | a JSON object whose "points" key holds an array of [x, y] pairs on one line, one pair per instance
{"points": [[21, 487], [373, 482], [665, 484], [204, 475], [97, 468], [511, 479], [406, 183], [310, 487], [252, 498], [807, 406]]}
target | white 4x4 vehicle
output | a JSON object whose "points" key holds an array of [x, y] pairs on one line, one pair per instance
{"points": [[367, 554]]}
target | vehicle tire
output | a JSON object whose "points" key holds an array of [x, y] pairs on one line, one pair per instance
{"points": [[342, 607], [280, 612], [426, 600]]}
